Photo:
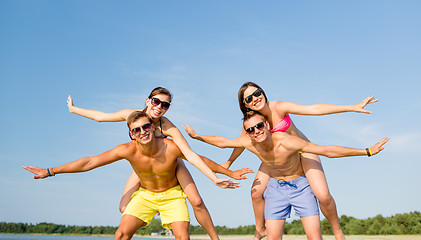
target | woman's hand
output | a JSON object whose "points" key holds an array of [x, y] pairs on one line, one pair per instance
{"points": [[360, 106], [190, 131], [70, 103]]}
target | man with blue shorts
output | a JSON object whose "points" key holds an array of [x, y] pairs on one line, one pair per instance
{"points": [[288, 187]]}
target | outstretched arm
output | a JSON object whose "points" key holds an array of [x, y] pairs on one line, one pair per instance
{"points": [[217, 141], [333, 151], [98, 115], [237, 175], [81, 165], [322, 109]]}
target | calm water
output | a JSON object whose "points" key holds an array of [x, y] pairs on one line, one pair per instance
{"points": [[47, 237]]}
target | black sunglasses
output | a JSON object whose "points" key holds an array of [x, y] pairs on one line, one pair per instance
{"points": [[256, 93], [156, 102], [259, 126], [136, 131]]}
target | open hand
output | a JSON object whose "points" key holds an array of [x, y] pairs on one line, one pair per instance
{"points": [[238, 174], [360, 106], [190, 131], [227, 183], [70, 103], [379, 146], [39, 172]]}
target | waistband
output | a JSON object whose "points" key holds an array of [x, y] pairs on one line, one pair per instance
{"points": [[176, 188]]}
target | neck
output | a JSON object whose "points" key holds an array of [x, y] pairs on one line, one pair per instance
{"points": [[265, 111], [148, 149]]}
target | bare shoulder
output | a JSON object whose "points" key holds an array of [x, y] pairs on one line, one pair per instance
{"points": [[166, 123], [171, 147]]}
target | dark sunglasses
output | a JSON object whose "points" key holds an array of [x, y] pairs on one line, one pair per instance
{"points": [[156, 102], [256, 93], [136, 131], [259, 126]]}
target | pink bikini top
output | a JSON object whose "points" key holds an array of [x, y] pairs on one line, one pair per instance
{"points": [[283, 123]]}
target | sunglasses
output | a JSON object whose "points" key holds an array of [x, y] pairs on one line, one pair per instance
{"points": [[156, 102], [256, 93], [259, 126], [136, 131]]}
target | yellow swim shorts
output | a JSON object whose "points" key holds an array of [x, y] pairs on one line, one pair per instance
{"points": [[171, 205]]}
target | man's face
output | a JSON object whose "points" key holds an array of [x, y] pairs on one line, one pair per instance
{"points": [[256, 128], [142, 130]]}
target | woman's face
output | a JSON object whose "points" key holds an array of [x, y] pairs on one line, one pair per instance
{"points": [[157, 105], [253, 98]]}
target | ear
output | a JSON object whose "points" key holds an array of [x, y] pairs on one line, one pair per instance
{"points": [[130, 135], [148, 100], [267, 124]]}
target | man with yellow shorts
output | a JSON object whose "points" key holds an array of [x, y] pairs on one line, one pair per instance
{"points": [[154, 160]]}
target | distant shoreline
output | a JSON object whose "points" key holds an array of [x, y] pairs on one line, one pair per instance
{"points": [[250, 237]]}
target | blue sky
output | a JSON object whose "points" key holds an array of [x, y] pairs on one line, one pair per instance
{"points": [[109, 55]]}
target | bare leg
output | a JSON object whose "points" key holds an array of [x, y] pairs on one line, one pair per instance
{"points": [[200, 211], [181, 230], [275, 229], [312, 227], [257, 190], [317, 179], [128, 226]]}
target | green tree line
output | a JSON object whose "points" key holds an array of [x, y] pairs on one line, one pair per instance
{"points": [[406, 223]]}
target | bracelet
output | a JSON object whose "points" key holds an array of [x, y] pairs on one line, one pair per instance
{"points": [[368, 150], [49, 173]]}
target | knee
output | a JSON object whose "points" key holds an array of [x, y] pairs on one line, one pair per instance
{"points": [[326, 199], [256, 194], [183, 236], [122, 235], [197, 202]]}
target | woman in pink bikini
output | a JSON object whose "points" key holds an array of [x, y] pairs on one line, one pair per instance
{"points": [[252, 97]]}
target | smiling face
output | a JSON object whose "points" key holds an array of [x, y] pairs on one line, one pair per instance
{"points": [[254, 98], [257, 128], [154, 105], [141, 130]]}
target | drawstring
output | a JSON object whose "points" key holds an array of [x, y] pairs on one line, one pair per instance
{"points": [[282, 182]]}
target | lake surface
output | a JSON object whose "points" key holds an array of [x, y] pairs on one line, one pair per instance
{"points": [[60, 237]]}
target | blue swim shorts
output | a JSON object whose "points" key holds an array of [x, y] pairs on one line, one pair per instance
{"points": [[281, 195]]}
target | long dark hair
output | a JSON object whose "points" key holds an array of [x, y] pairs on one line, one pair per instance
{"points": [[243, 88]]}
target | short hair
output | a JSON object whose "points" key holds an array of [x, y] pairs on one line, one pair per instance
{"points": [[251, 114], [241, 91], [134, 116]]}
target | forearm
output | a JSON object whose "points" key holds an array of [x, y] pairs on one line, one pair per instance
{"points": [[195, 159], [324, 109], [81, 165], [216, 168], [91, 114], [337, 152], [213, 140], [234, 155]]}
